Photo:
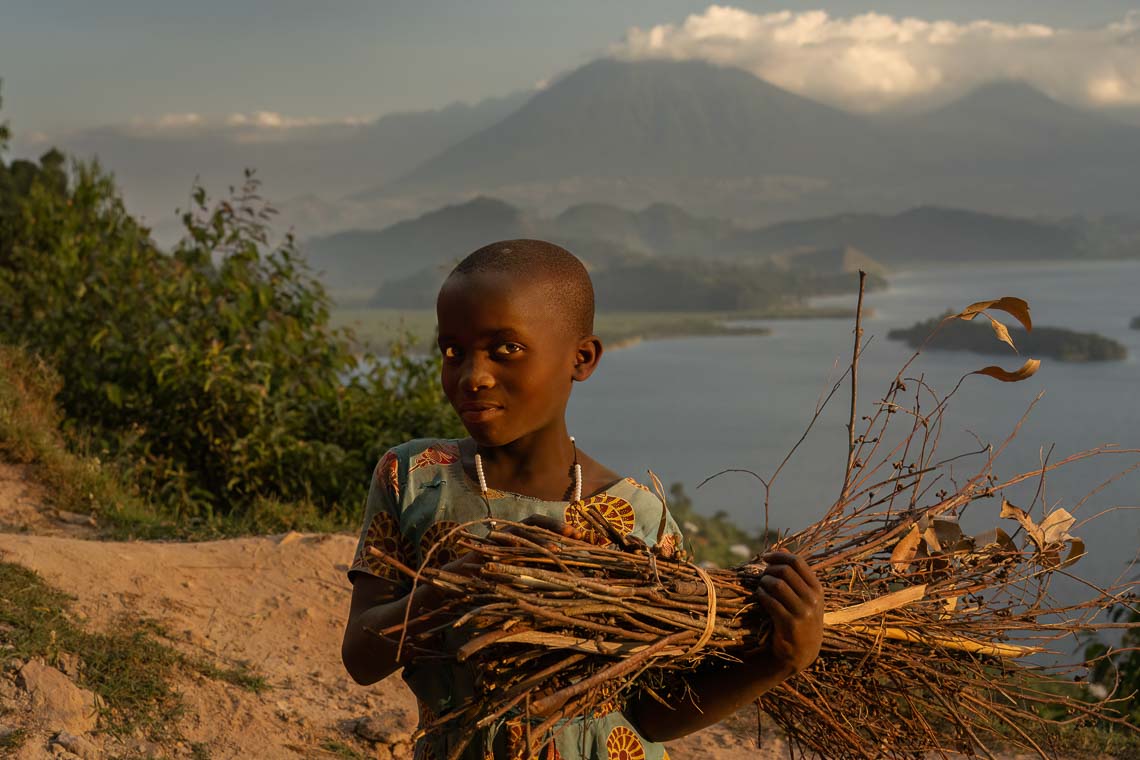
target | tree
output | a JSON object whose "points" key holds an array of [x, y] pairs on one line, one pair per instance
{"points": [[211, 372]]}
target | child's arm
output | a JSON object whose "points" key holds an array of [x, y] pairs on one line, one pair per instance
{"points": [[378, 604], [793, 599], [367, 657]]}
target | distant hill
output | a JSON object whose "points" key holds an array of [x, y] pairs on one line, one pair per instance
{"points": [[719, 141], [689, 142], [1009, 147], [845, 260], [662, 284], [156, 167], [1015, 124], [660, 228], [663, 136], [607, 236], [714, 139], [920, 236], [656, 119], [368, 257]]}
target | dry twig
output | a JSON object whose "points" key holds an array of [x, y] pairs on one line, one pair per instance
{"points": [[929, 631]]}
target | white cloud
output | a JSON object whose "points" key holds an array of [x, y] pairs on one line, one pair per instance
{"points": [[248, 126], [274, 120], [872, 61], [178, 120]]}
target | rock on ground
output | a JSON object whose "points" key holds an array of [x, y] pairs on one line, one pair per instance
{"points": [[56, 701]]}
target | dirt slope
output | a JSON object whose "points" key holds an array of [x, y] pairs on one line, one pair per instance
{"points": [[278, 603]]}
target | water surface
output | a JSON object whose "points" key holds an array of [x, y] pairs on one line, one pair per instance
{"points": [[690, 407]]}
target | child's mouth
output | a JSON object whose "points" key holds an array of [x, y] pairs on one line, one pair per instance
{"points": [[478, 412]]}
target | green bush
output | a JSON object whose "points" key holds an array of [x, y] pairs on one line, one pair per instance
{"points": [[30, 434], [715, 539], [211, 372], [1116, 670]]}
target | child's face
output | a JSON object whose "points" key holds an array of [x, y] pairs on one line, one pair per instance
{"points": [[509, 356]]}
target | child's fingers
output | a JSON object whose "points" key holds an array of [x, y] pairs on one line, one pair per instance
{"points": [[777, 612], [783, 584], [787, 559]]}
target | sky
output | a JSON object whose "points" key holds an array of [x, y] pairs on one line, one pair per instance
{"points": [[70, 65]]}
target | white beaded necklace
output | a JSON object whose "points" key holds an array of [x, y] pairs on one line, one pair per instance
{"points": [[577, 474]]}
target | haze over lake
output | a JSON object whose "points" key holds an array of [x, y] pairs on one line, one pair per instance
{"points": [[688, 408]]}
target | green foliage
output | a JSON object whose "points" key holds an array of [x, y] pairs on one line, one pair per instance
{"points": [[211, 374], [30, 434], [977, 336], [1116, 670], [714, 539]]}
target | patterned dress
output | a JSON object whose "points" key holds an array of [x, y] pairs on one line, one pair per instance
{"points": [[420, 492]]}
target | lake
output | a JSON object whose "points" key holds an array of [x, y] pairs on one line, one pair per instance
{"points": [[690, 407]]}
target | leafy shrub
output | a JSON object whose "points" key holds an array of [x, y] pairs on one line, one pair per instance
{"points": [[210, 372], [30, 434], [715, 539], [1116, 670]]}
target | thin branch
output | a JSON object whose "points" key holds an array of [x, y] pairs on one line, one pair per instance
{"points": [[854, 389]]}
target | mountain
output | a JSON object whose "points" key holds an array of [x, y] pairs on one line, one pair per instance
{"points": [[1012, 120], [920, 236], [659, 228], [363, 258], [600, 234], [651, 131], [721, 142], [661, 238], [1012, 149], [845, 260], [693, 142], [156, 167]]}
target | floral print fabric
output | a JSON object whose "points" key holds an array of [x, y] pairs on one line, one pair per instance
{"points": [[420, 493]]}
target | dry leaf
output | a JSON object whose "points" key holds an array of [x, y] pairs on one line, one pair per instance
{"points": [[1016, 307], [994, 539], [1076, 551], [1002, 333], [1050, 535], [906, 549], [1026, 370], [945, 535], [1055, 526]]}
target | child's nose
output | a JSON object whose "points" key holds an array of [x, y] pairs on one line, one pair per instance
{"points": [[477, 374]]}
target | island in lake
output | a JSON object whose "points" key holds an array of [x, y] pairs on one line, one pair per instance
{"points": [[977, 335], [1136, 323]]}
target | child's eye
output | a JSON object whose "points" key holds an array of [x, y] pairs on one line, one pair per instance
{"points": [[449, 352], [506, 349]]}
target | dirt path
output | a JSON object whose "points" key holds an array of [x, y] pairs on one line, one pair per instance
{"points": [[276, 603]]}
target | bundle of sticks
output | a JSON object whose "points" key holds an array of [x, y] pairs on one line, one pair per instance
{"points": [[932, 637]]}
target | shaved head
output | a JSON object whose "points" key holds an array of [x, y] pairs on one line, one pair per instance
{"points": [[537, 262]]}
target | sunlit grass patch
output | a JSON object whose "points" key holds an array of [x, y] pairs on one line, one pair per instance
{"points": [[129, 666]]}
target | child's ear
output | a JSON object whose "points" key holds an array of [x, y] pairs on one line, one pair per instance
{"points": [[586, 358]]}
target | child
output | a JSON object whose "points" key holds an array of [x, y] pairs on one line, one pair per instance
{"points": [[515, 331]]}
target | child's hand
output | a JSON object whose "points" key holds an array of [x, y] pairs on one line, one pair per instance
{"points": [[793, 598]]}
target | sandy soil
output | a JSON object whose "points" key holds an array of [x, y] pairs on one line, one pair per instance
{"points": [[277, 603]]}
